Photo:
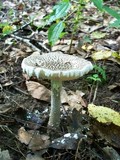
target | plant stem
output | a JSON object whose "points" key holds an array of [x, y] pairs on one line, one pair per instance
{"points": [[76, 21], [54, 119]]}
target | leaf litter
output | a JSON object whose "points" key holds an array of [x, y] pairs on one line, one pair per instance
{"points": [[17, 98]]}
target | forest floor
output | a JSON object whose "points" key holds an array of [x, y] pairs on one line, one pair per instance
{"points": [[25, 102]]}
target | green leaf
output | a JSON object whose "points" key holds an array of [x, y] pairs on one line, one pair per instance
{"points": [[55, 31], [98, 4], [94, 77], [101, 71], [60, 10], [62, 34], [3, 24], [7, 29], [115, 24], [116, 55], [111, 12]]}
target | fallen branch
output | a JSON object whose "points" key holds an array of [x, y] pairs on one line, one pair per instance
{"points": [[32, 43]]}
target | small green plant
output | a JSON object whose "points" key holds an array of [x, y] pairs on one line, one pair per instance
{"points": [[94, 77], [63, 11], [99, 76], [100, 5], [57, 18]]}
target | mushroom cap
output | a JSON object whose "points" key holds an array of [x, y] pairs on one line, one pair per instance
{"points": [[56, 66]]}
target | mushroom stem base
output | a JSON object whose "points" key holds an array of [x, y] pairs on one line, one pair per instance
{"points": [[54, 119]]}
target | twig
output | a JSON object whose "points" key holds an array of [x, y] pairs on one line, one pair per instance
{"points": [[32, 43], [90, 95], [27, 41], [76, 154], [95, 93], [22, 27], [20, 150], [18, 89], [14, 149]]}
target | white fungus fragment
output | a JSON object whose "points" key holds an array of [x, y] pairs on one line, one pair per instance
{"points": [[63, 141], [67, 135], [75, 136]]}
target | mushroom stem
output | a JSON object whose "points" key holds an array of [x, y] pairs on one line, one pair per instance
{"points": [[54, 119]]}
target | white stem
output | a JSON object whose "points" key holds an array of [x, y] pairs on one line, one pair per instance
{"points": [[54, 119]]}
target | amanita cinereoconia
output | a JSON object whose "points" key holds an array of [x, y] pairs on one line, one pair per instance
{"points": [[57, 67]]}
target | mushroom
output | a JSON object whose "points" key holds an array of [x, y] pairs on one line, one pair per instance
{"points": [[56, 67]]}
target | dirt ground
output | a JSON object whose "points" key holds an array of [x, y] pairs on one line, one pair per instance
{"points": [[18, 108], [17, 103]]}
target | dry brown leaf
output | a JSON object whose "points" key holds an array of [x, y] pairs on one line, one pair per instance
{"points": [[64, 45], [20, 6], [24, 136], [16, 54], [74, 99], [33, 139], [5, 107], [38, 91], [114, 86]]}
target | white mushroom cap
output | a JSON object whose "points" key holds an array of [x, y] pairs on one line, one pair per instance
{"points": [[56, 66]]}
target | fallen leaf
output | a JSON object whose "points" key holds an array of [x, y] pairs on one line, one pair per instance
{"points": [[20, 6], [117, 60], [110, 133], [3, 70], [5, 107], [9, 41], [33, 139], [61, 47], [64, 45], [75, 100], [110, 41], [112, 153], [104, 114], [4, 155], [88, 29], [8, 3], [9, 83], [114, 86], [101, 55], [97, 35], [68, 141], [38, 91], [16, 54], [87, 47]]}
